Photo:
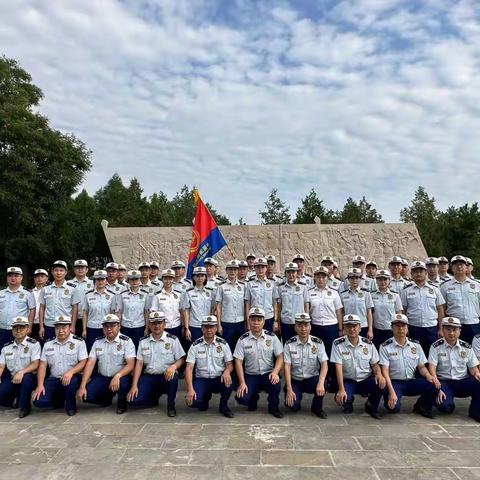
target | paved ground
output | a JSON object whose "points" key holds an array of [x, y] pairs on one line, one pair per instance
{"points": [[144, 444]]}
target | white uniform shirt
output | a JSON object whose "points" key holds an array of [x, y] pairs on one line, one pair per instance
{"points": [[57, 301], [17, 356], [293, 298], [462, 299], [305, 358], [231, 297], [14, 303], [210, 359], [158, 355], [385, 306], [420, 304], [112, 355], [169, 304], [324, 304], [402, 361], [61, 357]]}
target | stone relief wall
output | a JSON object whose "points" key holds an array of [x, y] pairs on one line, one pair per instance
{"points": [[132, 245]]}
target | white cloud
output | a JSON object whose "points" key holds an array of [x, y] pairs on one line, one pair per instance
{"points": [[374, 98]]}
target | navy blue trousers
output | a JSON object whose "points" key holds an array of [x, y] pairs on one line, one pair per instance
{"points": [[469, 331], [136, 334], [288, 331], [205, 388], [467, 387], [411, 388], [5, 336], [92, 335], [380, 336], [365, 387], [57, 395], [99, 393], [257, 384], [232, 332], [196, 333], [425, 335], [307, 385], [152, 387], [177, 331], [9, 391], [49, 333], [269, 324]]}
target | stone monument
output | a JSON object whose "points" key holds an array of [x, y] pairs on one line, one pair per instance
{"points": [[378, 241]]}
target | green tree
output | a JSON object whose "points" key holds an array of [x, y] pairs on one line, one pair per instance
{"points": [[40, 168], [276, 211], [361, 212], [311, 207], [159, 211], [460, 231], [423, 212]]}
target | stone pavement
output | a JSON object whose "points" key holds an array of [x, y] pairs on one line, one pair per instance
{"points": [[141, 444]]}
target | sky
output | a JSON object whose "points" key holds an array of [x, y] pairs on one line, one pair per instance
{"points": [[352, 97]]}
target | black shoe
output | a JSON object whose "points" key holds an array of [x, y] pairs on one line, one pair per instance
{"points": [[276, 413], [121, 410], [372, 412], [418, 409], [475, 417], [348, 408], [71, 413], [23, 413], [171, 412], [320, 414], [227, 413], [252, 408]]}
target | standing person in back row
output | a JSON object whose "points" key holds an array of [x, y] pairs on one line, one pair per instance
{"points": [[462, 297]]}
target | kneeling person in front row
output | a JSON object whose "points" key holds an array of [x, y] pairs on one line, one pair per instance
{"points": [[159, 356], [212, 358], [400, 357], [19, 360], [258, 361], [115, 354], [65, 356], [306, 367], [356, 359], [454, 363]]}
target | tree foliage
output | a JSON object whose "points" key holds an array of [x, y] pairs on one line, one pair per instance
{"points": [[276, 211], [312, 206]]}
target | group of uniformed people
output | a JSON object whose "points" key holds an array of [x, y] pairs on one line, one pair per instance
{"points": [[126, 333]]}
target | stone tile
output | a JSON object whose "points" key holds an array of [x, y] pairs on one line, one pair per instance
{"points": [[321, 442], [67, 441], [148, 457], [27, 455], [415, 474], [298, 473], [135, 441], [454, 443], [393, 443], [39, 471], [260, 442], [225, 457], [89, 456], [463, 430], [173, 429], [253, 429], [393, 458], [195, 442], [296, 457], [386, 429], [122, 472], [467, 473], [212, 472], [56, 429], [113, 429]]}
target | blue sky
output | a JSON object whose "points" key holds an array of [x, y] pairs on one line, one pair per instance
{"points": [[352, 98]]}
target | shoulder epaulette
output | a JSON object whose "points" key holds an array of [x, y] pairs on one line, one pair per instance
{"points": [[146, 336], [308, 275], [251, 278], [301, 283], [109, 291], [90, 291], [208, 288], [222, 282], [407, 286], [144, 290], [292, 339], [464, 344], [170, 335], [376, 291], [77, 337], [268, 332], [31, 340], [343, 291], [51, 339], [241, 282], [365, 340], [414, 340], [311, 288], [338, 341], [387, 342], [245, 335], [445, 281], [8, 343], [221, 278], [316, 339], [365, 290], [188, 289], [438, 342], [71, 284], [198, 341], [100, 338], [221, 340], [123, 337]]}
